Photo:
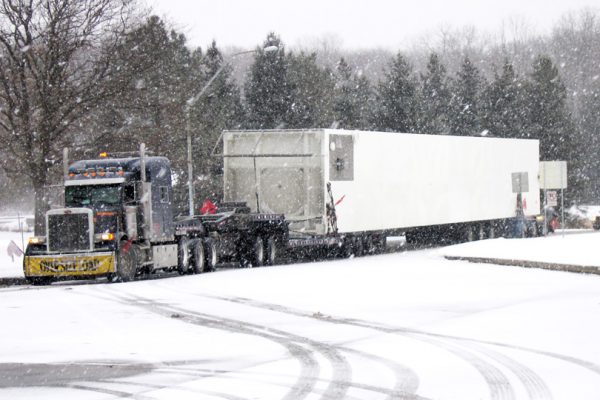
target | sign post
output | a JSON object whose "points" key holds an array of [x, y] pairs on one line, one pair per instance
{"points": [[553, 175]]}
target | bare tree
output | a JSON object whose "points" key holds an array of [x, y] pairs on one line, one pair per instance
{"points": [[55, 66]]}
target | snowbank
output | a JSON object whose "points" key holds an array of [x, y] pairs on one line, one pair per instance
{"points": [[575, 247]]}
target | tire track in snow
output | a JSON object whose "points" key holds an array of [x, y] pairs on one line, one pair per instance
{"points": [[406, 380], [498, 383], [337, 385], [342, 373], [341, 379]]}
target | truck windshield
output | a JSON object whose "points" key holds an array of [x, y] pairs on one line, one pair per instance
{"points": [[82, 196]]}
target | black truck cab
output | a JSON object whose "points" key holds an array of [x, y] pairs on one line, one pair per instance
{"points": [[111, 186]]}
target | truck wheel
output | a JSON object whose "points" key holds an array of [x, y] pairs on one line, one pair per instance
{"points": [[481, 232], [359, 247], [345, 250], [491, 231], [198, 259], [258, 252], [380, 244], [183, 255], [211, 254], [126, 262], [273, 250], [469, 234]]}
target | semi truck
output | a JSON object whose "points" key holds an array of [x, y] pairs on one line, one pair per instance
{"points": [[117, 222], [309, 191]]}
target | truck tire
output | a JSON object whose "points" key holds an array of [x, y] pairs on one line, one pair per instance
{"points": [[126, 262], [469, 234], [273, 250], [212, 255], [346, 249], [359, 246], [491, 231], [183, 255], [258, 252], [198, 258]]}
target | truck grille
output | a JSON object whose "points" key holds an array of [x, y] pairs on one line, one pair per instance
{"points": [[68, 232]]}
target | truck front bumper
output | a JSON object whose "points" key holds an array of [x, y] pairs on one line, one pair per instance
{"points": [[69, 265]]}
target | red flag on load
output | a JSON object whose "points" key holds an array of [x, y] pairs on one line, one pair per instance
{"points": [[208, 207]]}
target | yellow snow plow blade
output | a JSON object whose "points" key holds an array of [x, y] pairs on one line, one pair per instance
{"points": [[70, 265]]}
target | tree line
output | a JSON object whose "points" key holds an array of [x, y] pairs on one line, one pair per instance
{"points": [[97, 75]]}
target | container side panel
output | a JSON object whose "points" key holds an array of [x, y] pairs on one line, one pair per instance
{"points": [[408, 180]]}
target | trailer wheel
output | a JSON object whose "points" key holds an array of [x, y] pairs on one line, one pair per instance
{"points": [[212, 255], [491, 231], [183, 255], [359, 247], [126, 262], [481, 232], [258, 252], [198, 258], [273, 250], [469, 234], [346, 250], [380, 244]]}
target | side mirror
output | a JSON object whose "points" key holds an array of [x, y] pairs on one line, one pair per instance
{"points": [[131, 222]]}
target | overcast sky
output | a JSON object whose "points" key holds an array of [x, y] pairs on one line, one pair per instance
{"points": [[392, 24]]}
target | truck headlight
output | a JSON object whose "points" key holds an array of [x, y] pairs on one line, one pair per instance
{"points": [[37, 240], [104, 237]]}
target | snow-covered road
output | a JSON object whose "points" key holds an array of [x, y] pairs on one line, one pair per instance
{"points": [[404, 325]]}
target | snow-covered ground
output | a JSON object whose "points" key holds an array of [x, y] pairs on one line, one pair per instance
{"points": [[408, 325], [571, 247]]}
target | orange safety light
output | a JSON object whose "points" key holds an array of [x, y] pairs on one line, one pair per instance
{"points": [[107, 236]]}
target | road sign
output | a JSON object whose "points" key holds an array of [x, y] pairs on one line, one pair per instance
{"points": [[553, 174], [552, 198], [520, 182]]}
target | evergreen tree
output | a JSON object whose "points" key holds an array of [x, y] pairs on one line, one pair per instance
{"points": [[157, 75], [590, 125], [219, 108], [397, 102], [310, 93], [268, 96], [504, 111], [435, 96], [550, 121], [465, 118], [155, 79], [353, 99]]}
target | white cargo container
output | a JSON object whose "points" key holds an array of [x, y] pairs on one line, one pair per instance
{"points": [[380, 181]]}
